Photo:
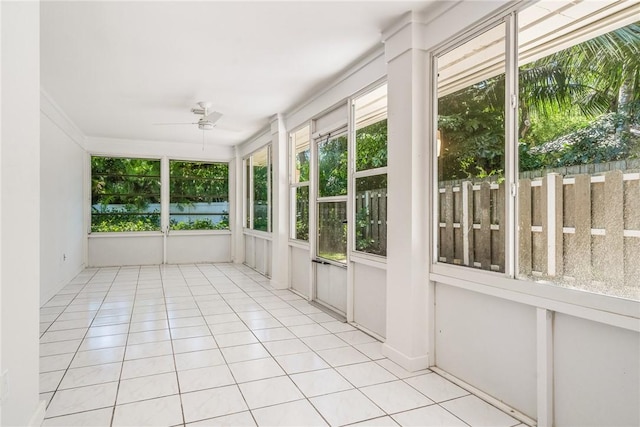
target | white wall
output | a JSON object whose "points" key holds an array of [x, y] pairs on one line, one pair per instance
{"points": [[20, 218], [488, 342], [62, 228], [597, 374]]}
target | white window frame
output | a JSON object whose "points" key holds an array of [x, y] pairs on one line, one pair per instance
{"points": [[603, 308], [354, 174], [293, 185], [248, 210]]}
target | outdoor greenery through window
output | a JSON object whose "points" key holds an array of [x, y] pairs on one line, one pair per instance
{"points": [[258, 189], [332, 165], [332, 194], [301, 160], [575, 144], [125, 194], [371, 172], [199, 196]]}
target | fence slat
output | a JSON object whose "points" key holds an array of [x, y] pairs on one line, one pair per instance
{"points": [[375, 228], [483, 243], [524, 223], [447, 251], [614, 226], [555, 263], [499, 256], [467, 222], [582, 220]]}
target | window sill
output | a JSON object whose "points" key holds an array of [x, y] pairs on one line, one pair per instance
{"points": [[257, 233], [199, 232], [602, 308], [117, 234]]}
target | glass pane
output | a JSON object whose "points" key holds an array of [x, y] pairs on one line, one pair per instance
{"points": [[371, 215], [301, 200], [470, 148], [301, 155], [579, 145], [260, 190], [125, 194], [332, 231], [199, 196], [332, 166], [371, 129]]}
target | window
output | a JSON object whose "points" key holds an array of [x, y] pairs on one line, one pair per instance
{"points": [[332, 152], [258, 196], [199, 196], [299, 183], [471, 152], [546, 188], [370, 113], [125, 194]]}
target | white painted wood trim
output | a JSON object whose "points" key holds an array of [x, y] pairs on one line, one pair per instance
{"points": [[544, 359]]}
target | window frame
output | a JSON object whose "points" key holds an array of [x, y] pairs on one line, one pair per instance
{"points": [[197, 231], [355, 174], [249, 187], [90, 156], [293, 185], [608, 309]]}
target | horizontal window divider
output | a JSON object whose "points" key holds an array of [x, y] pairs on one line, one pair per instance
{"points": [[117, 234], [299, 184], [300, 244], [369, 260], [605, 309], [333, 199], [370, 172]]}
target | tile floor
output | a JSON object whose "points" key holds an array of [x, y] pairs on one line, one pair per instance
{"points": [[215, 345]]}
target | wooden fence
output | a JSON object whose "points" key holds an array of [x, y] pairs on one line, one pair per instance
{"points": [[371, 221], [582, 228]]}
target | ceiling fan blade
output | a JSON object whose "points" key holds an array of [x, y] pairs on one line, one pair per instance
{"points": [[171, 124], [212, 117]]}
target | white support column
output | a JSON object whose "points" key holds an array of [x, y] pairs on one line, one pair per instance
{"points": [[409, 293], [236, 207], [20, 213], [164, 204], [280, 204]]}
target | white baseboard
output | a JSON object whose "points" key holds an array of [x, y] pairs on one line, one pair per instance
{"points": [[38, 417], [411, 364]]}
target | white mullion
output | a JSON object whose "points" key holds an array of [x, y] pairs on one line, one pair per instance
{"points": [[370, 172], [250, 207], [511, 148], [269, 187], [165, 199]]}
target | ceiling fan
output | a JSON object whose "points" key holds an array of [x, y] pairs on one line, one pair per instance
{"points": [[206, 122]]}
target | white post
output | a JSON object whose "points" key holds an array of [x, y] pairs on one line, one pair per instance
{"points": [[280, 201], [20, 212], [409, 292]]}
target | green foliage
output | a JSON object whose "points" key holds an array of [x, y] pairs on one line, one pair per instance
{"points": [[471, 125], [119, 181], [371, 146], [124, 219], [201, 224], [565, 93], [598, 142], [194, 182], [332, 167]]}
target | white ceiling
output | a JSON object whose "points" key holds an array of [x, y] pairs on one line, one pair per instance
{"points": [[116, 68]]}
